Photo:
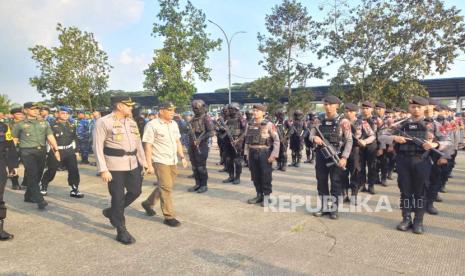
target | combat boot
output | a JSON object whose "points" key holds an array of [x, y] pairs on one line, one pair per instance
{"points": [[406, 222], [3, 234], [148, 210], [123, 236], [371, 189], [75, 192], [320, 212], [266, 200], [237, 180], [430, 208], [256, 200], [297, 163], [229, 179], [202, 189], [196, 187], [418, 221]]}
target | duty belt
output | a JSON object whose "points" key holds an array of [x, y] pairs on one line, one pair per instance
{"points": [[65, 147], [117, 152]]}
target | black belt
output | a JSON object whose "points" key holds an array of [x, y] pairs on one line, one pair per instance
{"points": [[117, 152]]}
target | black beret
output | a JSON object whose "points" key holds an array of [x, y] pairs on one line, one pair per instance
{"points": [[259, 107], [16, 110], [167, 105], [331, 100], [419, 100], [432, 101], [351, 107], [31, 105], [122, 99], [380, 105], [368, 104], [389, 111]]}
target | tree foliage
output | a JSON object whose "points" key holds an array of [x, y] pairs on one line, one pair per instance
{"points": [[5, 103], [291, 35], [74, 72], [386, 46], [185, 50], [271, 89]]}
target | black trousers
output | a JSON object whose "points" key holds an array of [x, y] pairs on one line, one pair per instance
{"points": [[132, 181], [3, 176], [368, 160], [260, 170], [296, 145], [436, 180], [282, 158], [198, 160], [34, 163], [413, 176], [324, 174], [233, 161], [352, 173], [69, 161]]}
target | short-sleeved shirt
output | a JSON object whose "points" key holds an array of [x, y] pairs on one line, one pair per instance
{"points": [[121, 134], [163, 137], [31, 132]]}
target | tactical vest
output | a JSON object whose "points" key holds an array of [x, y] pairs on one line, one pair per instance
{"points": [[415, 129], [330, 130], [299, 127], [198, 124], [254, 134], [234, 125]]}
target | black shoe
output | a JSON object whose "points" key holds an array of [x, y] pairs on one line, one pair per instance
{"points": [[236, 181], [228, 180], [76, 193], [346, 199], [405, 224], [148, 209], [202, 189], [16, 187], [107, 213], [172, 222], [193, 189], [4, 236], [124, 237], [43, 191], [266, 200], [417, 227], [431, 209], [438, 198], [255, 200], [41, 205], [371, 189], [333, 215]]}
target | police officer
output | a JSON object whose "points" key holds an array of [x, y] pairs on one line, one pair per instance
{"points": [[414, 163], [368, 160], [221, 135], [248, 118], [18, 116], [233, 144], [282, 127], [336, 130], [32, 134], [362, 134], [65, 135], [120, 159], [199, 131], [8, 159], [309, 147], [262, 145], [83, 135], [296, 135]]}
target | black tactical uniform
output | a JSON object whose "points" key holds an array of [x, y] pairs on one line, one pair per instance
{"points": [[65, 135], [414, 167], [221, 135], [296, 134], [233, 144], [248, 118], [8, 158], [282, 127], [200, 129], [262, 141], [337, 132], [309, 147], [368, 159]]}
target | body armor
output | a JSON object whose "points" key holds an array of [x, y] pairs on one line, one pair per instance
{"points": [[415, 129], [234, 125], [255, 134], [330, 130]]}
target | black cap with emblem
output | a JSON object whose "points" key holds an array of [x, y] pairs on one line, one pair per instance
{"points": [[331, 100], [418, 100], [380, 105], [368, 104], [122, 99], [16, 110], [31, 105], [351, 107], [167, 105]]}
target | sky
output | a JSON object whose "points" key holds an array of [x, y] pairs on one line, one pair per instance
{"points": [[123, 29]]}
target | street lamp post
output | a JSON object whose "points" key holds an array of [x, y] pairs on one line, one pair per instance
{"points": [[228, 42]]}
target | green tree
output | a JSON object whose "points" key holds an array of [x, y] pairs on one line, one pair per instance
{"points": [[292, 34], [271, 89], [186, 45], [5, 103], [302, 99], [74, 72], [386, 46]]}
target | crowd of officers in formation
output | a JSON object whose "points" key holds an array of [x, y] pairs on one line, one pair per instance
{"points": [[352, 152]]}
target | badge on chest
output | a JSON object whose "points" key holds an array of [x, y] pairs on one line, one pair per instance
{"points": [[412, 127]]}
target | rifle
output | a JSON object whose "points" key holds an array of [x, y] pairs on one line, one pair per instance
{"points": [[191, 133], [228, 134], [328, 151], [419, 142]]}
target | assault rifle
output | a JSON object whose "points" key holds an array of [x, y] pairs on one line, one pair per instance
{"points": [[419, 142], [196, 139], [224, 127], [328, 151]]}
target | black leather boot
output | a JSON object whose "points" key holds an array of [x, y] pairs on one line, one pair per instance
{"points": [[229, 179], [430, 208], [123, 236], [256, 200], [406, 222], [3, 234], [418, 221]]}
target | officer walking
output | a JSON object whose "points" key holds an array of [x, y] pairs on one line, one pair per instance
{"points": [[262, 145], [200, 129], [120, 159], [32, 134], [8, 159], [83, 136], [296, 134], [414, 163], [65, 135], [336, 131], [282, 127], [18, 116]]}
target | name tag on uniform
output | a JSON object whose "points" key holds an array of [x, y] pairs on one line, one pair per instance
{"points": [[327, 123], [412, 127]]}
